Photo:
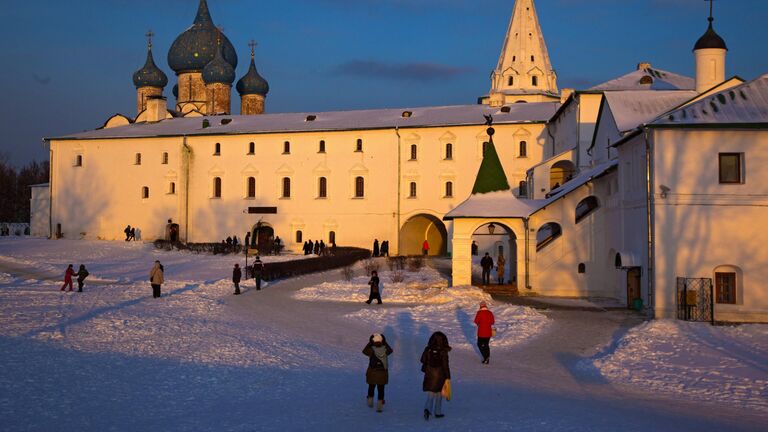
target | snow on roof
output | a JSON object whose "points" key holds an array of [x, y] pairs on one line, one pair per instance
{"points": [[743, 104], [456, 115], [659, 80], [633, 108], [40, 185]]}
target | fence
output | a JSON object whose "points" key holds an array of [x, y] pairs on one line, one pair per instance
{"points": [[343, 257], [695, 300]]}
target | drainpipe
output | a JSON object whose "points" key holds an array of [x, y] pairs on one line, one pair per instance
{"points": [[650, 221], [399, 168], [50, 189], [186, 151], [527, 257]]}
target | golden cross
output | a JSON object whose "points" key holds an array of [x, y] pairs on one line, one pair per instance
{"points": [[150, 34]]}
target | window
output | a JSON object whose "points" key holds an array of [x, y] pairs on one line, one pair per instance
{"points": [[359, 187], [299, 236], [165, 158], [535, 81], [286, 187], [412, 190], [145, 192], [532, 57], [322, 187], [523, 150], [287, 147], [138, 159], [251, 193], [582, 268], [332, 237], [251, 148], [725, 287], [449, 151], [79, 160], [522, 189], [217, 149], [217, 187], [730, 168], [511, 81], [171, 188], [514, 58], [547, 234], [321, 148], [359, 145], [585, 207], [414, 151], [448, 189]]}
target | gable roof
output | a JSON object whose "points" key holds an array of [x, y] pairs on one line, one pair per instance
{"points": [[661, 80], [633, 108]]}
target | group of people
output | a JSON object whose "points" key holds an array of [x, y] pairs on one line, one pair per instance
{"points": [[487, 264], [81, 274], [434, 364], [380, 249], [318, 248], [257, 271], [130, 233]]}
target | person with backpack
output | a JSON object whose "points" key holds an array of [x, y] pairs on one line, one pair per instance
{"points": [[434, 364], [258, 270], [82, 273], [484, 320], [377, 374]]}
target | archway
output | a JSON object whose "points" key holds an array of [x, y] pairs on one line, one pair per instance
{"points": [[262, 238], [560, 173], [497, 240], [423, 227]]}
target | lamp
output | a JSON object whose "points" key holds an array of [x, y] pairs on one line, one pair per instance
{"points": [[491, 228]]}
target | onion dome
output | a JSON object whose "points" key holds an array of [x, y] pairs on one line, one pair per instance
{"points": [[150, 75], [710, 39], [252, 82], [197, 46], [218, 70]]}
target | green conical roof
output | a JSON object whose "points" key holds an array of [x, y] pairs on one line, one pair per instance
{"points": [[490, 176]]}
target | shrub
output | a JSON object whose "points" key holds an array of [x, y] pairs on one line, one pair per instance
{"points": [[370, 265], [415, 263], [397, 276], [396, 263], [347, 273]]}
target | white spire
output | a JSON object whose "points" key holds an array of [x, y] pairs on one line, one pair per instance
{"points": [[524, 71]]}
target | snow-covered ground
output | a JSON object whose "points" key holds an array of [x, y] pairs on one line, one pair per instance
{"points": [[288, 357]]}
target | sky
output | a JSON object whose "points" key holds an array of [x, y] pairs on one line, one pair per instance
{"points": [[68, 64]]}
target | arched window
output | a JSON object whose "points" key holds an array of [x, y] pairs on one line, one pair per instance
{"points": [[412, 190], [251, 193], [359, 187], [217, 149], [535, 81], [582, 268], [449, 151], [585, 207], [359, 145], [145, 192], [171, 188], [299, 236], [217, 187], [511, 81], [414, 151], [547, 234], [522, 189], [138, 159], [332, 237], [79, 160], [523, 150], [251, 148], [448, 189], [322, 187], [165, 158], [286, 187], [321, 147], [560, 173], [287, 147]]}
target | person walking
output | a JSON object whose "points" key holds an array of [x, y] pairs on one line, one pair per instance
{"points": [[500, 263], [377, 374], [236, 275], [258, 270], [127, 232], [156, 279], [375, 247], [375, 291], [425, 248], [434, 364], [82, 273], [133, 234], [484, 320], [68, 277], [317, 248], [487, 264], [247, 241], [384, 248]]}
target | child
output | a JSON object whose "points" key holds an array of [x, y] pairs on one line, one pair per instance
{"points": [[82, 273]]}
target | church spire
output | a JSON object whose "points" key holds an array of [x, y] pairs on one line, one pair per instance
{"points": [[524, 71]]}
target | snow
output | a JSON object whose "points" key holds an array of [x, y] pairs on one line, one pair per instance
{"points": [[500, 204], [662, 80], [693, 360], [630, 109]]}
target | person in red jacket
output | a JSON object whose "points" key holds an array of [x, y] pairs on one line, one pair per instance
{"points": [[68, 278], [484, 320], [425, 248]]}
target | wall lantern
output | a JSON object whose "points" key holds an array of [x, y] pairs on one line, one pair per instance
{"points": [[491, 228]]}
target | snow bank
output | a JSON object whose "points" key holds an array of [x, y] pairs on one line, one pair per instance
{"points": [[693, 360]]}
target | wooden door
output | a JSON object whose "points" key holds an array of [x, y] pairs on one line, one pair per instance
{"points": [[633, 285]]}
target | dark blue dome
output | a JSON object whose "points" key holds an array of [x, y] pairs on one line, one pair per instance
{"points": [[218, 71], [710, 39], [150, 75], [252, 82], [196, 47], [176, 91]]}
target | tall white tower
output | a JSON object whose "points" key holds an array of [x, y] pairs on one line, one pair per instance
{"points": [[710, 52], [524, 72]]}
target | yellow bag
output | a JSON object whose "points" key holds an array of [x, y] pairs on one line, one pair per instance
{"points": [[447, 390], [493, 331]]}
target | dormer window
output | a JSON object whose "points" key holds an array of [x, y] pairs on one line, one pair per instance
{"points": [[646, 80]]}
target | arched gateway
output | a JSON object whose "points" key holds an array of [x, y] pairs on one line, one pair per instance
{"points": [[423, 227]]}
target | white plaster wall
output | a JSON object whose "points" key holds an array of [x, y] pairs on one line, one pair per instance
{"points": [[39, 211]]}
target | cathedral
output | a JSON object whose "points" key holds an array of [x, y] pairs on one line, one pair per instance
{"points": [[642, 189]]}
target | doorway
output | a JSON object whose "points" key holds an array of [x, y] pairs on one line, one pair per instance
{"points": [[633, 286]]}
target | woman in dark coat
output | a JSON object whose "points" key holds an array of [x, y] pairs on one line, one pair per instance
{"points": [[377, 374], [434, 364], [236, 275]]}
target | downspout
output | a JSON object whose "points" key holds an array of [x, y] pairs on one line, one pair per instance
{"points": [[399, 168], [50, 190], [527, 257], [186, 151], [578, 133], [650, 219]]}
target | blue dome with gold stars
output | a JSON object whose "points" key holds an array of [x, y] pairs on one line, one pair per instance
{"points": [[218, 70], [252, 82], [197, 46], [150, 75]]}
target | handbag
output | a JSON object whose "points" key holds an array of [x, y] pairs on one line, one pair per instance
{"points": [[446, 392], [493, 331]]}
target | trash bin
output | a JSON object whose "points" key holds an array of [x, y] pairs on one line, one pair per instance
{"points": [[637, 304]]}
